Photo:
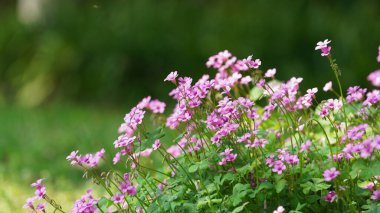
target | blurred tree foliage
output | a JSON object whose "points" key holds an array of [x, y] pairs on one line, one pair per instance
{"points": [[119, 51]]}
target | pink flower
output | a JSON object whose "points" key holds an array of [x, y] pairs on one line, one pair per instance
{"points": [[29, 203], [355, 93], [228, 156], [357, 132], [38, 183], [88, 160], [270, 161], [116, 159], [251, 63], [135, 117], [156, 144], [131, 190], [305, 146], [143, 103], [162, 185], [157, 106], [41, 207], [328, 86], [373, 97], [124, 141], [172, 77], [270, 73], [40, 192], [279, 167], [330, 174], [330, 104], [376, 195], [260, 83], [378, 57], [292, 159], [174, 150], [279, 209], [330, 197], [245, 80], [40, 188], [323, 46], [146, 152], [117, 198], [85, 204], [374, 78], [370, 186]]}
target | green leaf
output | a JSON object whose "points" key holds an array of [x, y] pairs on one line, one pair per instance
{"points": [[265, 185], [239, 192], [217, 180], [299, 207], [104, 203], [306, 187], [372, 208], [205, 201], [240, 208], [373, 169], [245, 169], [193, 168], [210, 188], [318, 180], [280, 185], [204, 165], [256, 93], [357, 168], [228, 177], [190, 208]]}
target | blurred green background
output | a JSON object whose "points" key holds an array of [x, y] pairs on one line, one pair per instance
{"points": [[70, 70]]}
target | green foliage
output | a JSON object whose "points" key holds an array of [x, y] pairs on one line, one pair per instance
{"points": [[239, 192], [317, 184], [104, 203]]}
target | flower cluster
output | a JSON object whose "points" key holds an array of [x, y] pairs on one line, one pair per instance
{"points": [[87, 160], [85, 204], [40, 192], [330, 105], [278, 163], [228, 157], [244, 140]]}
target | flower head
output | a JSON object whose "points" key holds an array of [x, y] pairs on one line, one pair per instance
{"points": [[118, 198], [374, 78], [172, 77], [85, 204], [29, 203], [228, 156], [328, 86], [157, 106], [174, 150], [279, 209], [156, 144], [376, 195], [330, 174], [323, 46], [305, 146], [330, 197], [270, 73]]}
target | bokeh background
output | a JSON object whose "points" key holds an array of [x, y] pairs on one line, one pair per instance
{"points": [[70, 70]]}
